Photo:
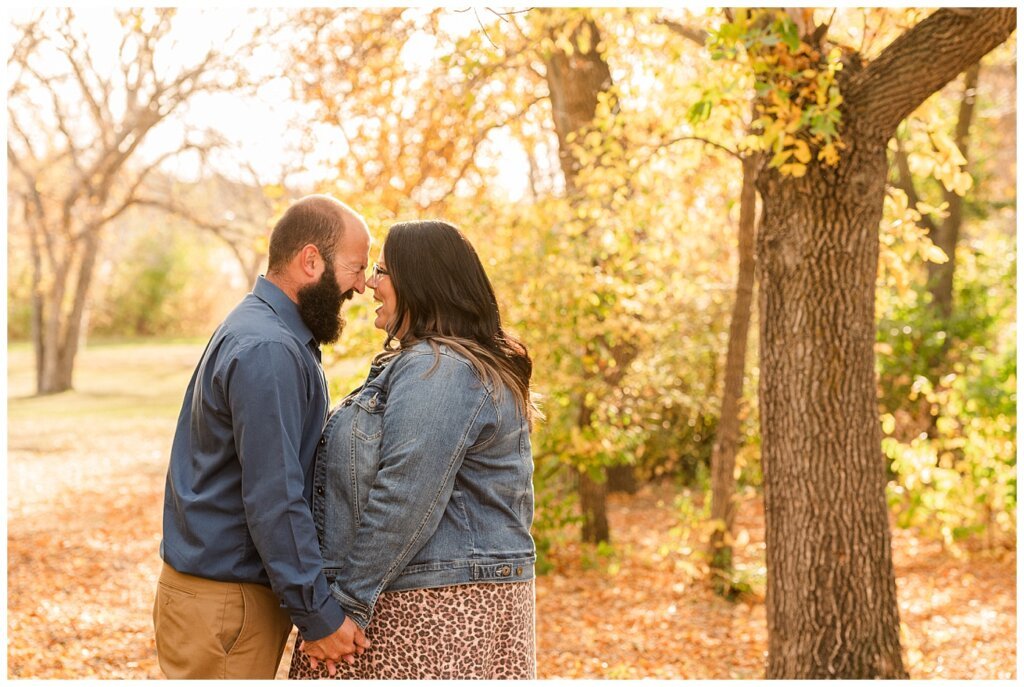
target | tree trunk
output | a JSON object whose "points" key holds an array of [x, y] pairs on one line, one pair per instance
{"points": [[594, 505], [831, 597], [831, 589], [37, 295], [622, 478], [62, 331], [50, 378], [940, 276], [574, 83], [723, 456]]}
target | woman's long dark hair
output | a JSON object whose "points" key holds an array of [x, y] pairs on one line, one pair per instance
{"points": [[444, 295]]}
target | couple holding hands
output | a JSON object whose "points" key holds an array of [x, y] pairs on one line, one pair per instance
{"points": [[393, 530]]}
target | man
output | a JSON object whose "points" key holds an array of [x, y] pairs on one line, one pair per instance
{"points": [[241, 557]]}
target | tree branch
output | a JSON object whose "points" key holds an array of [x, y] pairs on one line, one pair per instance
{"points": [[479, 138], [99, 113], [698, 36], [726, 149], [131, 197], [222, 230], [906, 183], [923, 60]]}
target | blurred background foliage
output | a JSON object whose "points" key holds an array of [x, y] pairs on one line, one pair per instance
{"points": [[623, 288]]}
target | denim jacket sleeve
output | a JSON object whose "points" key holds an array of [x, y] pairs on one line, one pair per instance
{"points": [[430, 420], [266, 392]]}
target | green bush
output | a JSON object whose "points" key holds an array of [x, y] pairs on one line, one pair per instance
{"points": [[951, 430]]}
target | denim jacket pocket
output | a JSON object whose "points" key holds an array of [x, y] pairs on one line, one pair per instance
{"points": [[366, 436], [368, 423]]}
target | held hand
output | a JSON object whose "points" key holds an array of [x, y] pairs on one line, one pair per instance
{"points": [[343, 644]]}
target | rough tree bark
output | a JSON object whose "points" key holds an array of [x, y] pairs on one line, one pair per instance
{"points": [[831, 596]]}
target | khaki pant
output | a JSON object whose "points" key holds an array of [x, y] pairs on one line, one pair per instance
{"points": [[208, 629]]}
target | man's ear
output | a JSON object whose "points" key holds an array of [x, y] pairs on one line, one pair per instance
{"points": [[309, 260]]}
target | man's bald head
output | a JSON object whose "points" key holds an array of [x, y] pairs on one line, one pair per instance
{"points": [[319, 220]]}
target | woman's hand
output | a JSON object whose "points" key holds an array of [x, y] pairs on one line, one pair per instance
{"points": [[343, 645]]}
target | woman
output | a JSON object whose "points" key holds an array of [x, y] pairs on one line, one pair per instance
{"points": [[423, 496]]}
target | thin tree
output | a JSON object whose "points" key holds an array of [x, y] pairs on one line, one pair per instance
{"points": [[944, 233], [74, 137], [577, 76], [727, 433]]}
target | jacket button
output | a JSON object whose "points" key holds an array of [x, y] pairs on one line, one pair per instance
{"points": [[506, 571], [519, 570]]}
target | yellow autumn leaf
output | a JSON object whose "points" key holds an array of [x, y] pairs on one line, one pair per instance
{"points": [[793, 169], [941, 211], [962, 183], [780, 157], [829, 154], [935, 254], [802, 151], [583, 40]]}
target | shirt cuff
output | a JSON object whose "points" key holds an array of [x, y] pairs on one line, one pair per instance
{"points": [[324, 622]]}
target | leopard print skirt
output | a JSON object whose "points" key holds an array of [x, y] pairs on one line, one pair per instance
{"points": [[471, 631]]}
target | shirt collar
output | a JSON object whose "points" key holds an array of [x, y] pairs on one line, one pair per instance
{"points": [[285, 307]]}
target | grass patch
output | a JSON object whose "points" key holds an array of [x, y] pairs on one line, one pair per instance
{"points": [[119, 379]]}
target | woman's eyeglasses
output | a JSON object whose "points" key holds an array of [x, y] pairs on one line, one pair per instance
{"points": [[378, 272]]}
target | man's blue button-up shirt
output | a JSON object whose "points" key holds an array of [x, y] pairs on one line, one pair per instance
{"points": [[240, 481]]}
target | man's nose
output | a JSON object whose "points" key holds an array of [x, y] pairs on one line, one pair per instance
{"points": [[360, 285]]}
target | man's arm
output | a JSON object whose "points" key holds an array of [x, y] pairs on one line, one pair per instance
{"points": [[266, 389]]}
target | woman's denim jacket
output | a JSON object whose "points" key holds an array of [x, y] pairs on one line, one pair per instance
{"points": [[423, 480]]}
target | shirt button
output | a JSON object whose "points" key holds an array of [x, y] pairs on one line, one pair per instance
{"points": [[320, 490]]}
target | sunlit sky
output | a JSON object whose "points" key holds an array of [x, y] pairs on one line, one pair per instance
{"points": [[267, 129]]}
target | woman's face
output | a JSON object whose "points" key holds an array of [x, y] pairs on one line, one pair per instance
{"points": [[384, 293]]}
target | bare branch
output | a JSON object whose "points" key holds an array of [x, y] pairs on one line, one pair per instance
{"points": [[478, 139], [694, 34], [131, 197], [15, 126], [30, 185], [225, 231], [482, 28], [700, 139]]}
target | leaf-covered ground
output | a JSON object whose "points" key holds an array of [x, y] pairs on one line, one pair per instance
{"points": [[85, 490]]}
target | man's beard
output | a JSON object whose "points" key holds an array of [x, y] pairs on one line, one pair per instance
{"points": [[320, 307]]}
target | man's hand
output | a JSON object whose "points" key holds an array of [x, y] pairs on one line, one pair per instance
{"points": [[346, 641]]}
